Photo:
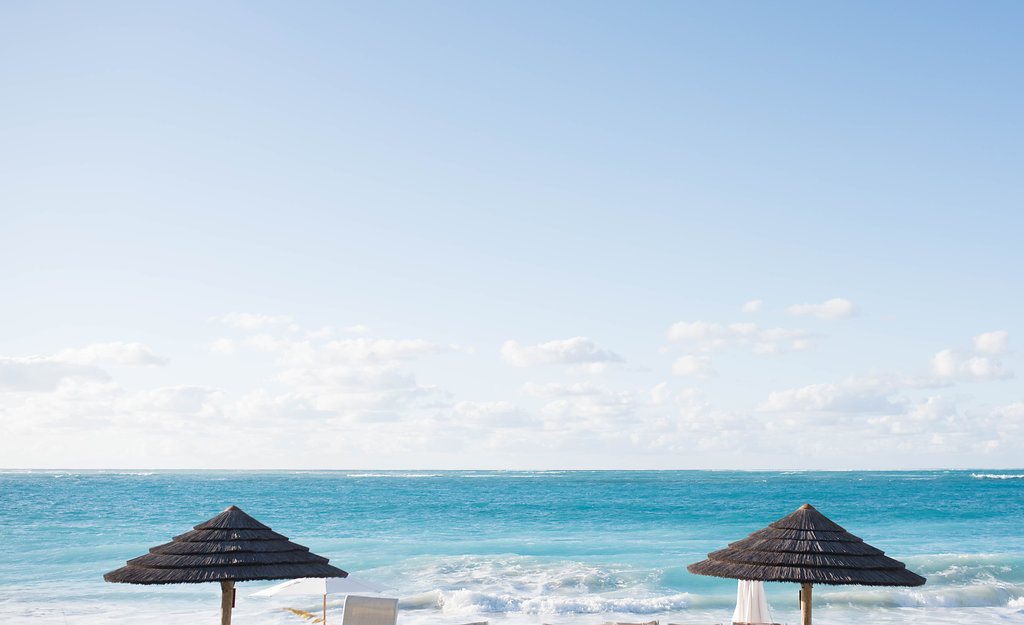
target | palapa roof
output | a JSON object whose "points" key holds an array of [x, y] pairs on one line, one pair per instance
{"points": [[806, 546], [231, 546]]}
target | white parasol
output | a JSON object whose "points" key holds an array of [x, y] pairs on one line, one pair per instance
{"points": [[322, 586]]}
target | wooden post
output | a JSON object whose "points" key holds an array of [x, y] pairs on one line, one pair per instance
{"points": [[805, 604], [227, 601]]}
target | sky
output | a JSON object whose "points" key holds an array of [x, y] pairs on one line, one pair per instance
{"points": [[511, 235]]}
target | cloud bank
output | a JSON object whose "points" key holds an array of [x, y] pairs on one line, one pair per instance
{"points": [[404, 402]]}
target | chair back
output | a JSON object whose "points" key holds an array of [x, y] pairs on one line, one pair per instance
{"points": [[370, 611]]}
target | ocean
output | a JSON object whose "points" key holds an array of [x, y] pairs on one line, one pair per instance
{"points": [[512, 548]]}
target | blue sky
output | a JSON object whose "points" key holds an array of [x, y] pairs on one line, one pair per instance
{"points": [[511, 235]]}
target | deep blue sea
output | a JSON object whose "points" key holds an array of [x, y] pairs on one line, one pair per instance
{"points": [[513, 548]]}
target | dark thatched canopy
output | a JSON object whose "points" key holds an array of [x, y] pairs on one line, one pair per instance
{"points": [[231, 546], [806, 547]]}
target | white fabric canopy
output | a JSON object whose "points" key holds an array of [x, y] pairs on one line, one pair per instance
{"points": [[322, 586], [340, 585], [751, 604]]}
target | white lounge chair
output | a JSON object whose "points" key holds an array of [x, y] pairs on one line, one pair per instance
{"points": [[370, 611]]}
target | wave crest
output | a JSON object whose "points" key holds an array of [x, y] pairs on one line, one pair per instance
{"points": [[476, 602], [997, 476], [976, 596]]}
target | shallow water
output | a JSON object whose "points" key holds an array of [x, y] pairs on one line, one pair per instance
{"points": [[515, 548]]}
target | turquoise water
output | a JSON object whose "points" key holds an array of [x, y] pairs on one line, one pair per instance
{"points": [[514, 548]]}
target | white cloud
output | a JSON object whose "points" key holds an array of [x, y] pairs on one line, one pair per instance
{"points": [[694, 426], [710, 337], [72, 366], [222, 346], [933, 425], [282, 414], [358, 380], [835, 308], [992, 343], [981, 368], [589, 368], [345, 394], [695, 366], [660, 394], [555, 389], [254, 321], [978, 365], [194, 400], [347, 379], [379, 350], [344, 351], [116, 353], [43, 375], [575, 351], [853, 395], [766, 348], [291, 352], [602, 412], [492, 414], [945, 364], [325, 332], [752, 306], [1014, 412]]}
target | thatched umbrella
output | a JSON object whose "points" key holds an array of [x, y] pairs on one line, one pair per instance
{"points": [[808, 548], [231, 547]]}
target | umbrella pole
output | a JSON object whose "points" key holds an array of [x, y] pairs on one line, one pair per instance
{"points": [[325, 608], [805, 604], [227, 601]]}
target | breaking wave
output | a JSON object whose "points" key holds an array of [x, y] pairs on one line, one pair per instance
{"points": [[997, 476], [473, 602], [515, 584], [976, 596]]}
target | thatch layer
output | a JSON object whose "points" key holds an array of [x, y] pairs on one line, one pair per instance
{"points": [[849, 547], [208, 546], [790, 534], [231, 546], [221, 573], [223, 535], [788, 558], [876, 577], [806, 546], [165, 561]]}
